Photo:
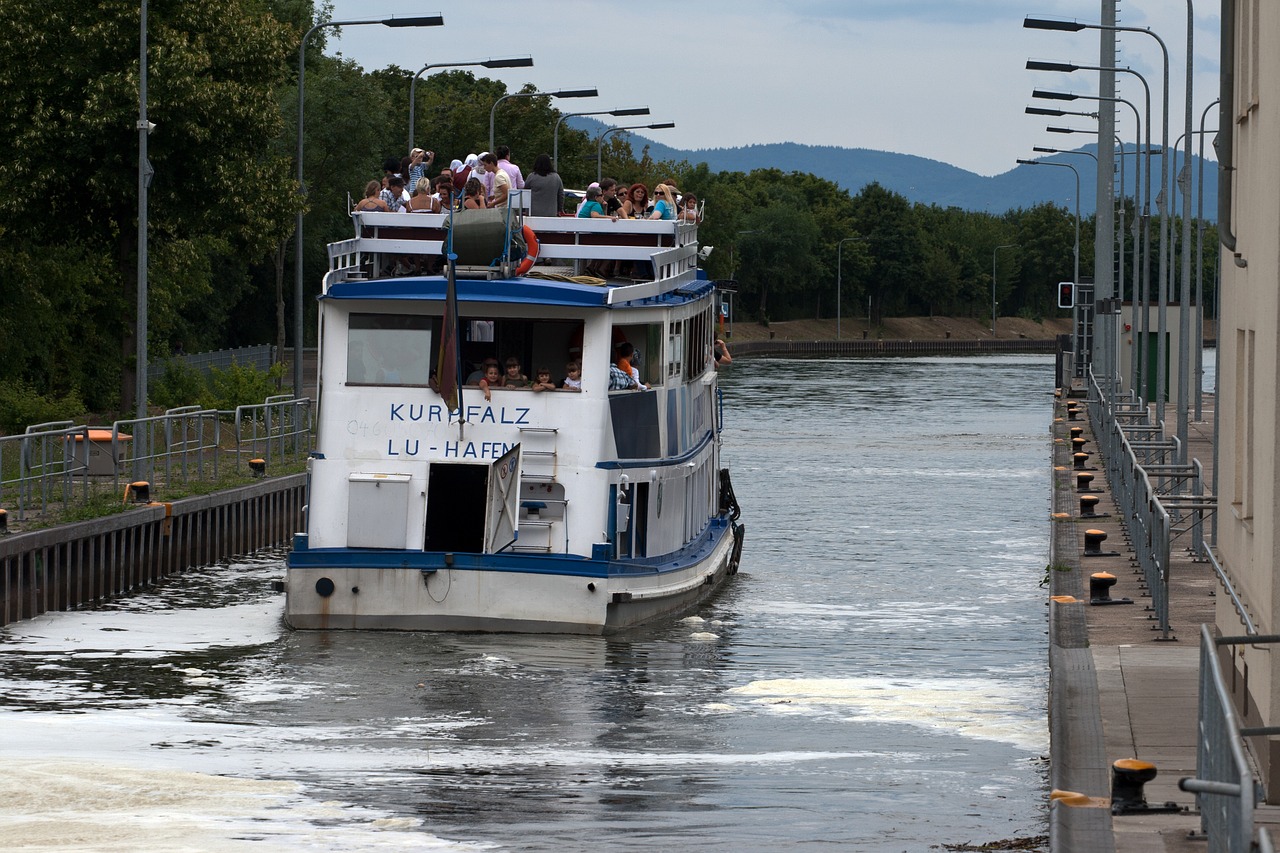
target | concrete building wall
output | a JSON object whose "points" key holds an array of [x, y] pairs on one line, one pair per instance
{"points": [[1249, 402]]}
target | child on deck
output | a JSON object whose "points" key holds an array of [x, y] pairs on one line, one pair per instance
{"points": [[573, 379], [514, 378], [544, 382], [492, 378]]}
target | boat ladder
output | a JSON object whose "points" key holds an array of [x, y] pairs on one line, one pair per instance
{"points": [[542, 505]]}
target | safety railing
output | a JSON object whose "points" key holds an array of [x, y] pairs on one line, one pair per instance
{"points": [[1226, 792], [61, 463], [1150, 488], [175, 447], [43, 467], [278, 431]]}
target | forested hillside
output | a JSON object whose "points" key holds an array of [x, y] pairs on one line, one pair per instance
{"points": [[223, 197]]}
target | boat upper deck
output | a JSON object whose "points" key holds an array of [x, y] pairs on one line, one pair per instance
{"points": [[663, 254]]}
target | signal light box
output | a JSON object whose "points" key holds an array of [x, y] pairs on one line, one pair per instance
{"points": [[1066, 294]]}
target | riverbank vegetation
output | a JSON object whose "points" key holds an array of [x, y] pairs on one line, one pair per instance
{"points": [[222, 92]]}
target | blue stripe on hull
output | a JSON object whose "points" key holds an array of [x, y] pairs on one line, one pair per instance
{"points": [[546, 564]]}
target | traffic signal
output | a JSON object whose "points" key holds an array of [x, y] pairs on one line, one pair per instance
{"points": [[1066, 294]]}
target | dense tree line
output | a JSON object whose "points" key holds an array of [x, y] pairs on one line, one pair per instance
{"points": [[223, 92]]}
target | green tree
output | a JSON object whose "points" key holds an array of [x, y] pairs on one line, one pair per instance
{"points": [[68, 109]]}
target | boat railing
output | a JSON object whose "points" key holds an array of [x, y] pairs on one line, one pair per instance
{"points": [[560, 238]]}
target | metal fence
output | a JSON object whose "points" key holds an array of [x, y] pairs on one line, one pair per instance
{"points": [[1225, 790], [58, 464], [1160, 498], [261, 357]]}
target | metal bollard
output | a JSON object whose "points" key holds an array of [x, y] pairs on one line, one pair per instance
{"points": [[1093, 539], [1083, 479], [140, 490], [258, 467], [1078, 443], [1128, 775], [1077, 432], [1100, 584], [1087, 505], [1080, 458], [4, 521]]}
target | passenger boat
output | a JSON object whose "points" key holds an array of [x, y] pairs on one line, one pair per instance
{"points": [[433, 508]]}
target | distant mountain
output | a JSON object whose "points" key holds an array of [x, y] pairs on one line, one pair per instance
{"points": [[928, 181]]}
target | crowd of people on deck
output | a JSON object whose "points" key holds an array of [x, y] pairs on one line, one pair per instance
{"points": [[487, 180]]}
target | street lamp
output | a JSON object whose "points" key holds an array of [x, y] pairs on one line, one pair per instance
{"points": [[419, 21], [555, 133], [1141, 274], [732, 269], [563, 93], [1075, 27], [839, 272], [600, 140], [512, 62], [1042, 150], [993, 283], [1076, 276]]}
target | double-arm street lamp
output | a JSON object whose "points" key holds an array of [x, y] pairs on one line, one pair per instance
{"points": [[555, 133], [419, 21], [511, 62], [600, 140], [562, 93]]}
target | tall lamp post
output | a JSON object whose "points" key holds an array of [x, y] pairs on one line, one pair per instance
{"points": [[555, 133], [1141, 273], [839, 274], [1076, 275], [420, 21], [733, 270], [993, 283], [562, 93], [511, 62], [144, 179], [1163, 285], [600, 140]]}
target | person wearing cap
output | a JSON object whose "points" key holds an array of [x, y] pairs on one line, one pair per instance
{"points": [[462, 171], [419, 162]]}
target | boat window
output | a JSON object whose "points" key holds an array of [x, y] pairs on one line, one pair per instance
{"points": [[534, 343], [647, 339], [390, 349]]}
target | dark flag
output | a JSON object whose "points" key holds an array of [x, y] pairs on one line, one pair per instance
{"points": [[447, 365]]}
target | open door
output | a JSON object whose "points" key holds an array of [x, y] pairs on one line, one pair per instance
{"points": [[502, 510]]}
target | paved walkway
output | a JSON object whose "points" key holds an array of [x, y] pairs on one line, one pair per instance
{"points": [[1119, 687]]}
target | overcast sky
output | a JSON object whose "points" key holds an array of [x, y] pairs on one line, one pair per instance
{"points": [[942, 79]]}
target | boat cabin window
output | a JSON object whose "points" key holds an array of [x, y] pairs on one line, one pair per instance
{"points": [[390, 349], [647, 339], [690, 342], [534, 343]]}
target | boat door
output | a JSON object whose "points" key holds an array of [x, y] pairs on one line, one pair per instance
{"points": [[502, 502]]}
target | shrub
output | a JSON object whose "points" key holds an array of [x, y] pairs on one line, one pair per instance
{"points": [[181, 385], [22, 406], [241, 385]]}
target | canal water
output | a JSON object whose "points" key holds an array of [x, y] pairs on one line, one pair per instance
{"points": [[874, 678]]}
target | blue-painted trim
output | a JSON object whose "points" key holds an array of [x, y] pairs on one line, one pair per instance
{"points": [[664, 462], [531, 291], [535, 564]]}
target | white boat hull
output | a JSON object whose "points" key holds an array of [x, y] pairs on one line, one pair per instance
{"points": [[452, 593]]}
